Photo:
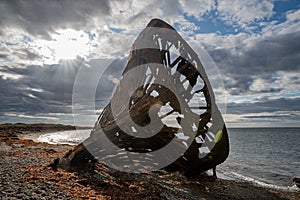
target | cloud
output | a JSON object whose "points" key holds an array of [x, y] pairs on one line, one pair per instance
{"points": [[112, 25], [290, 25], [293, 15], [273, 119], [265, 105], [26, 54], [243, 59], [276, 112], [30, 116], [38, 89], [260, 61], [243, 13], [260, 72], [41, 17], [197, 8], [3, 56], [41, 92]]}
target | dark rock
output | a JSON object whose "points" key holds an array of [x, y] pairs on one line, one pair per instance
{"points": [[54, 164], [297, 182]]}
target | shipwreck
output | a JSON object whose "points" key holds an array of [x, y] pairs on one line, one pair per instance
{"points": [[162, 114]]}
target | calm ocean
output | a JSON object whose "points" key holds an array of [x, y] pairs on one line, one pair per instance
{"points": [[265, 156], [269, 157]]}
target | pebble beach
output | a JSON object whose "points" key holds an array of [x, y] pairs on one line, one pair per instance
{"points": [[24, 174]]}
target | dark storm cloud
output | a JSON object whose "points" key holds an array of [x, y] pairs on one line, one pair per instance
{"points": [[49, 88], [39, 17], [38, 90], [281, 52], [264, 58]]}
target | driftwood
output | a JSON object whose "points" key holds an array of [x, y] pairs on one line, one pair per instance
{"points": [[169, 64]]}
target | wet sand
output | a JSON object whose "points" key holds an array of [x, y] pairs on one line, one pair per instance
{"points": [[24, 174]]}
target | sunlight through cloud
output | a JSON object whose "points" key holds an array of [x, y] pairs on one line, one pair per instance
{"points": [[66, 45]]}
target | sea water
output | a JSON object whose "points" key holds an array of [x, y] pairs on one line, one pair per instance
{"points": [[72, 137], [269, 157]]}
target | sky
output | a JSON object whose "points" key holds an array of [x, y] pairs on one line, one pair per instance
{"points": [[254, 44]]}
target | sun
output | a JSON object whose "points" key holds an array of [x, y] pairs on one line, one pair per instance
{"points": [[65, 44], [70, 43]]}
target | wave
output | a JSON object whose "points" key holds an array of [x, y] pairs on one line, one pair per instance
{"points": [[73, 137], [241, 177]]}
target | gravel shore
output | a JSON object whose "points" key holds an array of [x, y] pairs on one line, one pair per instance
{"points": [[24, 174]]}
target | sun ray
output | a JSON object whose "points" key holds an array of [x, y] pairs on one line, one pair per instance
{"points": [[66, 44]]}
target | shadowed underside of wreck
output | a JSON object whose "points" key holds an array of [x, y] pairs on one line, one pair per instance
{"points": [[163, 85]]}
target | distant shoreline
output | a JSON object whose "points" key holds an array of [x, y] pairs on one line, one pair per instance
{"points": [[21, 128], [45, 127], [290, 127]]}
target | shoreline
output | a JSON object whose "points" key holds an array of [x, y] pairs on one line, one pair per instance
{"points": [[221, 175], [24, 174]]}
